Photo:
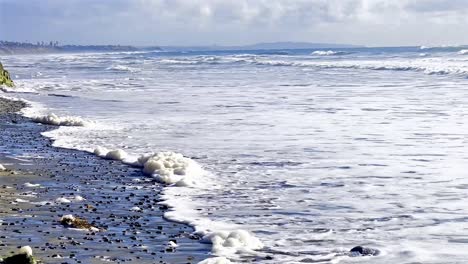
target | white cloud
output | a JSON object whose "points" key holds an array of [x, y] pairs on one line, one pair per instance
{"points": [[373, 22]]}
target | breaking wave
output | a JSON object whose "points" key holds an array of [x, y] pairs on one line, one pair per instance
{"points": [[328, 53], [430, 66]]}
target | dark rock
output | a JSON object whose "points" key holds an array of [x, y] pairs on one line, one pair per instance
{"points": [[19, 259], [364, 251]]}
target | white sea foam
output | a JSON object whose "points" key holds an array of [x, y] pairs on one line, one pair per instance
{"points": [[463, 52], [100, 151], [216, 260], [227, 243], [53, 119], [171, 168], [117, 154], [2, 168], [227, 239]]}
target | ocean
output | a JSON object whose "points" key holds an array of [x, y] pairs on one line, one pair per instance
{"points": [[296, 154]]}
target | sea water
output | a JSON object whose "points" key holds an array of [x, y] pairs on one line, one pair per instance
{"points": [[299, 155]]}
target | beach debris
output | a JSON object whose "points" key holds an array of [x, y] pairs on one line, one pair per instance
{"points": [[136, 209], [76, 198], [363, 251], [53, 119], [2, 168], [62, 200], [24, 256], [172, 243], [31, 185], [75, 222], [5, 78]]}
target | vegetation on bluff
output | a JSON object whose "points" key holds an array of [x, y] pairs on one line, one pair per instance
{"points": [[5, 77]]}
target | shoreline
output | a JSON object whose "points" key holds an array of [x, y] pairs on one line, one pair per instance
{"points": [[44, 183]]}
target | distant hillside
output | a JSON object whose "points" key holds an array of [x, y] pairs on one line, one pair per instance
{"points": [[264, 46], [9, 47]]}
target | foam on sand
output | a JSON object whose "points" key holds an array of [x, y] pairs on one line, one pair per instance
{"points": [[53, 119], [184, 176], [216, 260], [226, 243], [117, 154], [229, 241], [100, 151], [171, 168]]}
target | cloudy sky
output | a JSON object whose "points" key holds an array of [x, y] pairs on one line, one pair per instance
{"points": [[234, 22]]}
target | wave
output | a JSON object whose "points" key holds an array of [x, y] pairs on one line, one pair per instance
{"points": [[121, 68], [430, 68], [328, 53], [463, 52], [424, 64]]}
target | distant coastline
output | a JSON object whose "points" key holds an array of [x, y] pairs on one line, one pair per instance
{"points": [[11, 47]]}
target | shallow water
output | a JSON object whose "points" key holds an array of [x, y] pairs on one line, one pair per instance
{"points": [[314, 153]]}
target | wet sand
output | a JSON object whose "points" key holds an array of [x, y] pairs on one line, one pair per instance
{"points": [[30, 213]]}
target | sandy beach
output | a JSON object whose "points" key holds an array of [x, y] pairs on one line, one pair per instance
{"points": [[43, 183]]}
